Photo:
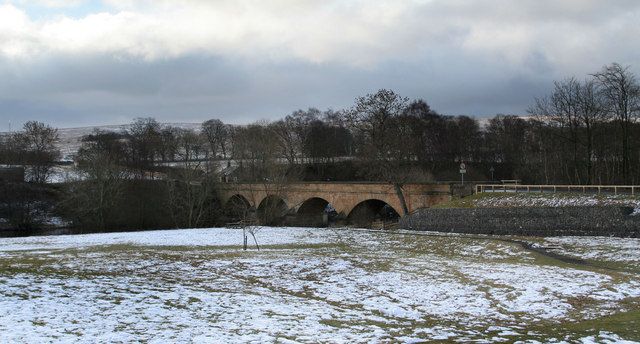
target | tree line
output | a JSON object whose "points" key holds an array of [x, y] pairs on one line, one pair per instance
{"points": [[586, 131]]}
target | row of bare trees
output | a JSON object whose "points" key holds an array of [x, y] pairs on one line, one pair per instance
{"points": [[584, 131], [595, 124], [114, 164]]}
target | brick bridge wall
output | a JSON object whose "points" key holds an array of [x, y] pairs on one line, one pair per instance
{"points": [[343, 196]]}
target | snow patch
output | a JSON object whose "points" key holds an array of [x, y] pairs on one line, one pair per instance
{"points": [[556, 200]]}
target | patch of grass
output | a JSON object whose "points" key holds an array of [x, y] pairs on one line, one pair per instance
{"points": [[464, 202], [39, 323], [625, 324], [72, 332], [118, 300], [335, 323], [172, 304]]}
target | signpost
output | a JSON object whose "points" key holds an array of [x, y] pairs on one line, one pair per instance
{"points": [[492, 170], [463, 170]]}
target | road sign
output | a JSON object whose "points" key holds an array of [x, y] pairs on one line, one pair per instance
{"points": [[463, 170]]}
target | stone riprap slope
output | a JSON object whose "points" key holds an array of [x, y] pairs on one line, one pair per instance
{"points": [[540, 214], [529, 220]]}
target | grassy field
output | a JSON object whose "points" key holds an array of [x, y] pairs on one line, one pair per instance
{"points": [[315, 285]]}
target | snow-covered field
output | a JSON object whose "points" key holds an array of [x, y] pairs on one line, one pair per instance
{"points": [[602, 249], [310, 285]]}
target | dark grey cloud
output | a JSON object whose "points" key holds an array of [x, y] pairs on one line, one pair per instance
{"points": [[475, 58], [101, 91]]}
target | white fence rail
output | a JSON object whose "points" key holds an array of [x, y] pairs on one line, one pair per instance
{"points": [[591, 189]]}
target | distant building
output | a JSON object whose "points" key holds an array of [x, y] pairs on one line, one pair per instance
{"points": [[228, 174], [12, 174]]}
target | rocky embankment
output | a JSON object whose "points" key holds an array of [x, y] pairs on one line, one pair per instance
{"points": [[535, 221], [534, 215]]}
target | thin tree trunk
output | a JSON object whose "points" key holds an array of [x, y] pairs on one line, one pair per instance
{"points": [[403, 202]]}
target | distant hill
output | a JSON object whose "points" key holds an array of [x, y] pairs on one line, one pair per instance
{"points": [[70, 137]]}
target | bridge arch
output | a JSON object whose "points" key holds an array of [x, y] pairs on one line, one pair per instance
{"points": [[313, 205], [311, 212], [271, 210], [370, 210], [237, 208]]}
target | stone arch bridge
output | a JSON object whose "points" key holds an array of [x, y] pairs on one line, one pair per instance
{"points": [[354, 202]]}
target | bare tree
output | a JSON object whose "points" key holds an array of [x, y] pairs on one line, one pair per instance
{"points": [[592, 114], [504, 140], [292, 132], [93, 200], [565, 102], [191, 189], [145, 140], [288, 140], [372, 118], [10, 150], [217, 135], [37, 150], [263, 176], [576, 110], [621, 92], [325, 142], [167, 144]]}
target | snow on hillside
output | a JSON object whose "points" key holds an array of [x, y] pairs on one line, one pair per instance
{"points": [[69, 142]]}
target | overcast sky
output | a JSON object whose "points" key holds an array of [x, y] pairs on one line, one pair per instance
{"points": [[76, 63]]}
